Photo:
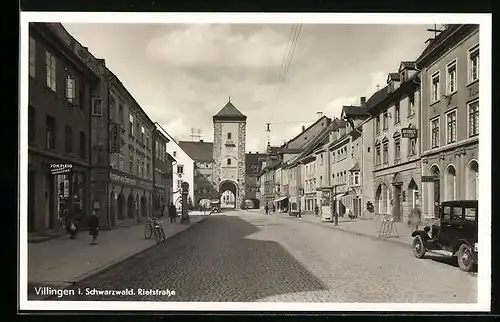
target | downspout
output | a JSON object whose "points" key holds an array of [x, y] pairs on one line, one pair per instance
{"points": [[419, 138]]}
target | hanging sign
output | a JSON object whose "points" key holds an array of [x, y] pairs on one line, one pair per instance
{"points": [[428, 178], [409, 133], [60, 168]]}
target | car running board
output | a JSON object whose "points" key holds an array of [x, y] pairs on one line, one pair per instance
{"points": [[441, 252]]}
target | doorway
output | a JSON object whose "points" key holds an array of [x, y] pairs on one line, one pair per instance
{"points": [[397, 211], [49, 201]]}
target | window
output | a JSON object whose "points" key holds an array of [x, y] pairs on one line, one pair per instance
{"points": [[446, 213], [70, 89], [97, 106], [435, 133], [68, 139], [83, 147], [228, 161], [120, 164], [474, 118], [138, 129], [411, 104], [377, 155], [456, 214], [229, 136], [397, 149], [451, 127], [180, 169], [50, 63], [435, 89], [121, 115], [397, 113], [131, 162], [31, 124], [386, 152], [321, 160], [179, 184], [385, 121], [50, 132], [142, 134], [451, 78], [474, 64], [131, 124], [32, 57], [356, 177], [470, 214], [175, 154], [333, 157], [412, 147], [377, 124]]}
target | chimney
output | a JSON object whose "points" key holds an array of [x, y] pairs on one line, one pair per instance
{"points": [[363, 101], [303, 128], [320, 115]]}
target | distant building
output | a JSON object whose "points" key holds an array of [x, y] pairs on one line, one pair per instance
{"points": [[252, 181], [202, 154], [229, 152], [450, 117]]}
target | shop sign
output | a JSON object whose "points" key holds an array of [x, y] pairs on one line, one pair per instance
{"points": [[409, 133], [122, 179], [428, 178], [60, 168]]}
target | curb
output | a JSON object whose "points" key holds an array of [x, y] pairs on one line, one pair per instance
{"points": [[65, 285], [395, 241]]}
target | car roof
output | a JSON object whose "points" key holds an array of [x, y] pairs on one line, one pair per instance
{"points": [[460, 203]]}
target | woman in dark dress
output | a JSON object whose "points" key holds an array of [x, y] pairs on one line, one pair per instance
{"points": [[94, 227]]}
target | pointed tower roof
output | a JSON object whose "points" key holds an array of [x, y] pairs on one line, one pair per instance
{"points": [[229, 113]]}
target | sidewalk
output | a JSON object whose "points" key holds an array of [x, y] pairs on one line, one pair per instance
{"points": [[63, 261], [369, 227]]}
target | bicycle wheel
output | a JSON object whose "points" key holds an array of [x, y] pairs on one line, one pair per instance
{"points": [[157, 235], [162, 234], [148, 231]]}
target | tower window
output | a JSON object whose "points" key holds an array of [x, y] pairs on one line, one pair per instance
{"points": [[229, 136], [228, 161]]}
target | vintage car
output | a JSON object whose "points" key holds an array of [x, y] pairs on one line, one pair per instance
{"points": [[454, 235]]}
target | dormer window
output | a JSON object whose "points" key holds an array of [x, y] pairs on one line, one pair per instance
{"points": [[229, 136]]}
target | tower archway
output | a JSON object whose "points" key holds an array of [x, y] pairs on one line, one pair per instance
{"points": [[228, 190]]}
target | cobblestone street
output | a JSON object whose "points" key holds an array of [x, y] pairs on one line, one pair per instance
{"points": [[247, 256]]}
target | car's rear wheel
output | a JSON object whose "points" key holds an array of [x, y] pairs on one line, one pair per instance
{"points": [[418, 247], [465, 258]]}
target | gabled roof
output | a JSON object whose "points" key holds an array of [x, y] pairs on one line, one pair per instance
{"points": [[355, 168], [229, 112], [409, 65], [253, 163], [393, 77], [354, 111], [198, 151], [377, 98], [323, 118]]}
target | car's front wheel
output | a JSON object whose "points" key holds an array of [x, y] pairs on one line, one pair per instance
{"points": [[465, 258], [418, 247]]}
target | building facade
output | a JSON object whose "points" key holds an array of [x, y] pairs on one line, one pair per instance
{"points": [[182, 170], [122, 156], [229, 170], [450, 117], [396, 172], [61, 83], [253, 168], [202, 154], [162, 166]]}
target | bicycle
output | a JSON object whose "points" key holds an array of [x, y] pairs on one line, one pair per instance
{"points": [[159, 232], [149, 228]]}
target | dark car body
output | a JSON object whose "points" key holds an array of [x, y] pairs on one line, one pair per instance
{"points": [[456, 233]]}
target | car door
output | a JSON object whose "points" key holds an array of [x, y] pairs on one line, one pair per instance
{"points": [[445, 224], [457, 228]]}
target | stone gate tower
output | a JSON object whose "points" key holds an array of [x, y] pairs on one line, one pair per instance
{"points": [[229, 152]]}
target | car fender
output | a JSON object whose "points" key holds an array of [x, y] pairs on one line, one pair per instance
{"points": [[420, 233], [460, 242]]}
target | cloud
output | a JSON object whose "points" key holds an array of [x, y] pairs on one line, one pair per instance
{"points": [[216, 45]]}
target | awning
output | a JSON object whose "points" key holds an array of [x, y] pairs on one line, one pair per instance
{"points": [[280, 199]]}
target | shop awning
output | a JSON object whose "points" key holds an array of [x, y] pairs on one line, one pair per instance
{"points": [[280, 199]]}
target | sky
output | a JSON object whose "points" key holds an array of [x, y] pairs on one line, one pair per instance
{"points": [[183, 74]]}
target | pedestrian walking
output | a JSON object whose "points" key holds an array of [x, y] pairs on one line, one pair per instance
{"points": [[266, 209], [299, 213], [274, 208], [316, 210], [93, 223], [415, 217], [172, 212]]}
